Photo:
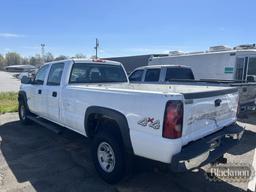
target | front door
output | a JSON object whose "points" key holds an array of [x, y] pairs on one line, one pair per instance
{"points": [[53, 91], [38, 94]]}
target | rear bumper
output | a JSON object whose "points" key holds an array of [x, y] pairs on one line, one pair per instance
{"points": [[207, 149]]}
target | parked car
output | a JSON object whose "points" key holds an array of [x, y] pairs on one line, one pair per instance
{"points": [[180, 74], [185, 126]]}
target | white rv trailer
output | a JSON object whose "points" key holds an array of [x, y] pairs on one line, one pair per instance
{"points": [[218, 62]]}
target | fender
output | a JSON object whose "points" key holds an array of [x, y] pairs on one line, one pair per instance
{"points": [[116, 116], [23, 96]]}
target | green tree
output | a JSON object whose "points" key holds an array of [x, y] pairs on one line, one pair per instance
{"points": [[2, 62], [12, 58], [36, 60]]}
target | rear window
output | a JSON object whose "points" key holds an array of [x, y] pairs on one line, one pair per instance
{"points": [[179, 73], [152, 75], [96, 73]]}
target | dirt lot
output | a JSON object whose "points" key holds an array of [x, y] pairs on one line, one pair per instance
{"points": [[32, 158]]}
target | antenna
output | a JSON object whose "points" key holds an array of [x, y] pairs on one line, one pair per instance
{"points": [[42, 51], [96, 48]]}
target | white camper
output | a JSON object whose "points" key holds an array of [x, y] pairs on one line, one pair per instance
{"points": [[219, 62]]}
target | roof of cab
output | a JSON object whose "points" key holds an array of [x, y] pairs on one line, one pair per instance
{"points": [[159, 66], [96, 61]]}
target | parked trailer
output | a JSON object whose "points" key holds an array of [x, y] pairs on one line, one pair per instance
{"points": [[220, 65]]}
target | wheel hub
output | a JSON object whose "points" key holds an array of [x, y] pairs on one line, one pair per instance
{"points": [[106, 157]]}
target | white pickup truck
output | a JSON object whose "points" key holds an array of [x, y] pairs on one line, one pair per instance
{"points": [[184, 126]]}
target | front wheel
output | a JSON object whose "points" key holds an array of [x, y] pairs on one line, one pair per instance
{"points": [[108, 157], [23, 113]]}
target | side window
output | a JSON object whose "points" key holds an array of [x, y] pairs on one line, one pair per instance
{"points": [[240, 64], [136, 75], [152, 75], [55, 74], [174, 73], [40, 76], [252, 66]]}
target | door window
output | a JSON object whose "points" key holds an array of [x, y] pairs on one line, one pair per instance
{"points": [[252, 66], [239, 68], [136, 75], [40, 76], [55, 74], [152, 75]]}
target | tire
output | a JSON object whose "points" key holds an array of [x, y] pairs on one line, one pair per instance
{"points": [[23, 113], [110, 168]]}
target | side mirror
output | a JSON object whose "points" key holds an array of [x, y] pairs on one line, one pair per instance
{"points": [[25, 80]]}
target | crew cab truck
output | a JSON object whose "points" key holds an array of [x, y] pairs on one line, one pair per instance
{"points": [[183, 126], [181, 74]]}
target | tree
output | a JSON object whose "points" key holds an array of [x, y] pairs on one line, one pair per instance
{"points": [[48, 57], [93, 57], [2, 62], [25, 61], [61, 57], [36, 60], [12, 58], [80, 55]]}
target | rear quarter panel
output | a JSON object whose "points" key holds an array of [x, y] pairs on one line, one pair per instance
{"points": [[135, 106]]}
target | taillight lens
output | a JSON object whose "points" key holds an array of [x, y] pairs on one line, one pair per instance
{"points": [[173, 120]]}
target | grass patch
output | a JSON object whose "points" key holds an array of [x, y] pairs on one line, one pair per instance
{"points": [[8, 102]]}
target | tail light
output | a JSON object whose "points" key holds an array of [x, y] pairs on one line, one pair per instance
{"points": [[173, 120]]}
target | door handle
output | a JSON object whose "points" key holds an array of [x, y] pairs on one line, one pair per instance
{"points": [[39, 91], [54, 94]]}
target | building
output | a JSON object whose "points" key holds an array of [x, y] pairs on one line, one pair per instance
{"points": [[132, 62]]}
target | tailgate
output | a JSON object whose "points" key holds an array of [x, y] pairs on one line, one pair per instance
{"points": [[208, 112]]}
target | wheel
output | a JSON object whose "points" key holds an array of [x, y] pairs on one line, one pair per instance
{"points": [[23, 113], [108, 156]]}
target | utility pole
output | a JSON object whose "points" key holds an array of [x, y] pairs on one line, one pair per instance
{"points": [[96, 48], [42, 52]]}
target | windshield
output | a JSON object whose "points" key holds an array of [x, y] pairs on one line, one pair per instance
{"points": [[96, 73], [179, 73]]}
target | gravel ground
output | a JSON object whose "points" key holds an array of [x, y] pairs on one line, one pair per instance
{"points": [[32, 158]]}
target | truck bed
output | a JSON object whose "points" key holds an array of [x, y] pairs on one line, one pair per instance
{"points": [[186, 90]]}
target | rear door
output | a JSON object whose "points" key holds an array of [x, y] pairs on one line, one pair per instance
{"points": [[152, 75], [53, 90]]}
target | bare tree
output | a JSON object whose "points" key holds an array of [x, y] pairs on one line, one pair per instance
{"points": [[80, 55], [48, 57], [61, 57]]}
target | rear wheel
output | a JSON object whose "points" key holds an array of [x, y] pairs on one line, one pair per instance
{"points": [[23, 113], [108, 156]]}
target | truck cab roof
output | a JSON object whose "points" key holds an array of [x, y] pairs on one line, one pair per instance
{"points": [[160, 66], [96, 61]]}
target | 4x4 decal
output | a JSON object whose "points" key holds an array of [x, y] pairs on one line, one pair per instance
{"points": [[151, 122]]}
